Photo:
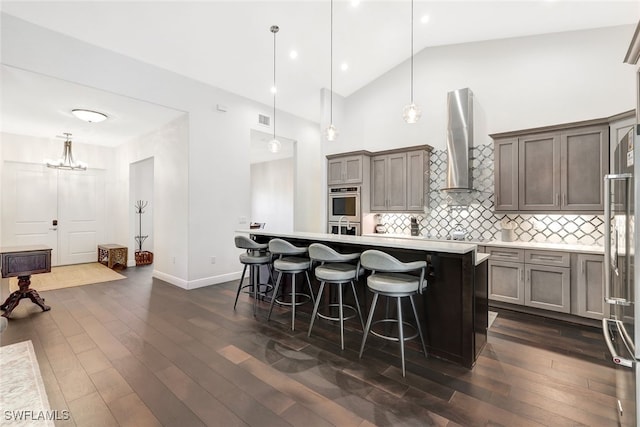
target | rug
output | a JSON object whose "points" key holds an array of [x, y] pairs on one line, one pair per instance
{"points": [[68, 276], [23, 398], [492, 317]]}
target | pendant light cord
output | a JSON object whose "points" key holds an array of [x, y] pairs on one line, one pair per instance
{"points": [[331, 68], [412, 51], [274, 29]]}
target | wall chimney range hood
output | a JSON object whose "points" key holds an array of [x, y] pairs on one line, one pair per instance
{"points": [[459, 141]]}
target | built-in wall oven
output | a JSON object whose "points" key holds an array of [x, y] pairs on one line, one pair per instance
{"points": [[344, 202], [353, 229]]}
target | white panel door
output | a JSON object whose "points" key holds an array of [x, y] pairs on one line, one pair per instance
{"points": [[81, 207], [29, 206]]}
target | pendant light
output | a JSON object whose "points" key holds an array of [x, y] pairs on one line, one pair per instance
{"points": [[331, 132], [274, 145], [66, 161], [411, 113]]}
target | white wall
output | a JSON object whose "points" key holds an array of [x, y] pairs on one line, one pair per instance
{"points": [[216, 191], [518, 83], [272, 194]]}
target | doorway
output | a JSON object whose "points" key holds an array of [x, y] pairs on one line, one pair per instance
{"points": [[272, 182], [63, 210]]}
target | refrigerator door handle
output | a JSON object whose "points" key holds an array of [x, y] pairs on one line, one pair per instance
{"points": [[624, 336], [613, 300]]}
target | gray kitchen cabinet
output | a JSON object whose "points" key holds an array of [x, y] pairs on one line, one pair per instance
{"points": [[548, 287], [345, 170], [530, 277], [590, 287], [416, 175], [389, 182], [506, 282], [539, 172], [584, 160], [550, 169], [506, 174]]}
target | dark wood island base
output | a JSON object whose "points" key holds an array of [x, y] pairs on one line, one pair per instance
{"points": [[453, 310]]}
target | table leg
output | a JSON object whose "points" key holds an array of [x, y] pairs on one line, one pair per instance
{"points": [[24, 292]]}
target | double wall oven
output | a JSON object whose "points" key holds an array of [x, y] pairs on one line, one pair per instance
{"points": [[344, 207]]}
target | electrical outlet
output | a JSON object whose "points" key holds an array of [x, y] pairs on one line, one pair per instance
{"points": [[242, 220], [174, 260], [213, 260]]}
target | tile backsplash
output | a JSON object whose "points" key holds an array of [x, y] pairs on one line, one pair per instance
{"points": [[474, 211]]}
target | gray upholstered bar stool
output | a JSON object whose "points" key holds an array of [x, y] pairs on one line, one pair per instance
{"points": [[255, 256], [389, 278], [290, 260], [335, 268]]}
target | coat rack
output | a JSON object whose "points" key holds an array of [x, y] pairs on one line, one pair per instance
{"points": [[142, 257]]}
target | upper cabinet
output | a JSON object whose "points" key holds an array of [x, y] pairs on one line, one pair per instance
{"points": [[398, 180], [345, 169], [558, 168]]}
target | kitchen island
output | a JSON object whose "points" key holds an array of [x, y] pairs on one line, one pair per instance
{"points": [[453, 310]]}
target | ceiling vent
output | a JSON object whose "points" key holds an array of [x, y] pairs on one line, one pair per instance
{"points": [[264, 120]]}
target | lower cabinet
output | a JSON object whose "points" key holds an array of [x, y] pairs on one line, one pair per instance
{"points": [[548, 287], [533, 278], [505, 281], [590, 287]]}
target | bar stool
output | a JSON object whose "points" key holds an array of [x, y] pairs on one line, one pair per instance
{"points": [[335, 268], [255, 256], [389, 278], [289, 262]]}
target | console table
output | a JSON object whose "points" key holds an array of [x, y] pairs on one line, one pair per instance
{"points": [[22, 262]]}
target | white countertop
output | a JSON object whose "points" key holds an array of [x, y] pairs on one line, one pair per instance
{"points": [[373, 240], [481, 257], [566, 247]]}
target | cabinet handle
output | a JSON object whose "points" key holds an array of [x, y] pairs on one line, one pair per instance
{"points": [[582, 266], [521, 274], [564, 199], [529, 276], [557, 199], [547, 258]]}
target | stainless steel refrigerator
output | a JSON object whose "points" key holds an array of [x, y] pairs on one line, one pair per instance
{"points": [[619, 329]]}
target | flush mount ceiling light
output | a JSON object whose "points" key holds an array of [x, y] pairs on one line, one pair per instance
{"points": [[411, 113], [331, 132], [274, 145], [89, 115], [66, 161]]}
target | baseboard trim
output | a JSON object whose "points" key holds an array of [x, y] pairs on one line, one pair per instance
{"points": [[197, 283]]}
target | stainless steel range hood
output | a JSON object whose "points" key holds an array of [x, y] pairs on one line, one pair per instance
{"points": [[459, 140]]}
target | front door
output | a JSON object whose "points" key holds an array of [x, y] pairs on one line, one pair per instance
{"points": [[34, 196]]}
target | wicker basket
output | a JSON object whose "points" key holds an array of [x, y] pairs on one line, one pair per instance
{"points": [[144, 257]]}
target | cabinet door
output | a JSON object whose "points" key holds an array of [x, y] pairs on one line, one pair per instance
{"points": [[548, 287], [591, 287], [378, 183], [506, 174], [539, 172], [397, 181], [353, 170], [584, 162], [415, 181], [506, 281], [335, 169]]}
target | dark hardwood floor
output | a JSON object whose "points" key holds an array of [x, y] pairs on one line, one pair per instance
{"points": [[140, 352]]}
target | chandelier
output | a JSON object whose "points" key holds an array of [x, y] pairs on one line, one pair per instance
{"points": [[66, 161]]}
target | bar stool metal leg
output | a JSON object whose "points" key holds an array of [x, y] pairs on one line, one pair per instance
{"points": [[415, 313], [275, 293], [316, 306], [401, 333], [244, 270], [355, 295], [368, 325], [293, 301]]}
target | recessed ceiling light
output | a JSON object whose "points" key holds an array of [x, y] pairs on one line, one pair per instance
{"points": [[89, 115], [424, 19], [293, 54], [355, 3], [344, 66], [273, 89]]}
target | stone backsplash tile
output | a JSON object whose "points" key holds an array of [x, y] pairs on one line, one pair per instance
{"points": [[473, 211]]}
